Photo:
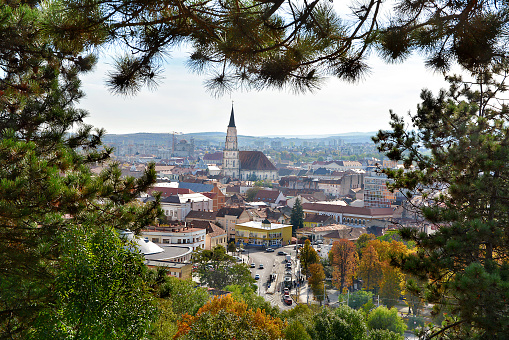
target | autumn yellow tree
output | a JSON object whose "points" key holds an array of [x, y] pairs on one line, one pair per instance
{"points": [[370, 268], [344, 259], [316, 281], [225, 318]]}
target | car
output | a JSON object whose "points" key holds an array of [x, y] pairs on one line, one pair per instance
{"points": [[260, 266], [281, 252], [286, 291], [287, 300], [257, 277], [253, 265], [240, 250], [269, 250]]}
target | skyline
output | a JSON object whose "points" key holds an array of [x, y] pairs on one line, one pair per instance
{"points": [[181, 103]]}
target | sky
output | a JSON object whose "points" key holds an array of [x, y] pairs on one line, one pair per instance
{"points": [[180, 103]]}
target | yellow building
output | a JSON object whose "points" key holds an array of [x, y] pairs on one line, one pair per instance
{"points": [[263, 234]]}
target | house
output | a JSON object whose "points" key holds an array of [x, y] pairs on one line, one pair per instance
{"points": [[346, 232], [215, 236], [176, 235], [272, 198], [263, 234], [227, 218], [315, 220], [351, 216], [319, 233], [196, 215], [176, 207]]}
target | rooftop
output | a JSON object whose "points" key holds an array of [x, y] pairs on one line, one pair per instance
{"points": [[259, 225]]}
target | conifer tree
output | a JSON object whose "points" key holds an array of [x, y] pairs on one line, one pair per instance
{"points": [[463, 182], [48, 195], [297, 216]]}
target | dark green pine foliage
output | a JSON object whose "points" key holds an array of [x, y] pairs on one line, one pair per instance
{"points": [[455, 155], [56, 217], [297, 216]]}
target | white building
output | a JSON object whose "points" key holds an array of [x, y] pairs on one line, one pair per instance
{"points": [[177, 207], [193, 238]]}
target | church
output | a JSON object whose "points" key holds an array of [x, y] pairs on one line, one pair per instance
{"points": [[244, 165]]}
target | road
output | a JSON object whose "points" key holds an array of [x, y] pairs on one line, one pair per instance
{"points": [[273, 264]]}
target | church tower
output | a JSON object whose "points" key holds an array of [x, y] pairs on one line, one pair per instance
{"points": [[231, 164]]}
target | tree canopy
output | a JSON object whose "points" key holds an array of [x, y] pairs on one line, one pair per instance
{"points": [[462, 187]]}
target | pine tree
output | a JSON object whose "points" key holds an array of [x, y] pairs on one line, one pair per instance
{"points": [[463, 184], [48, 195], [297, 216]]}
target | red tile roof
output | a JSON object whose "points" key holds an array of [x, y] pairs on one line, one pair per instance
{"points": [[255, 160]]}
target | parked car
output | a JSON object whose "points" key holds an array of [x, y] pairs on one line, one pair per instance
{"points": [[261, 266], [253, 265], [269, 250], [257, 277], [281, 252]]}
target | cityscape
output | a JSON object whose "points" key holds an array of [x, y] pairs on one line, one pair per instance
{"points": [[254, 170]]}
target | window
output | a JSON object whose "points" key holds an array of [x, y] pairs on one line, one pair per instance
{"points": [[155, 239], [166, 240]]}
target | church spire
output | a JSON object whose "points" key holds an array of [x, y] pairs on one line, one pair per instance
{"points": [[232, 119]]}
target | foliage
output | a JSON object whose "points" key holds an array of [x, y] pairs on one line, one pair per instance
{"points": [[231, 247], [263, 183], [317, 281], [297, 216], [384, 334], [463, 182], [296, 331], [183, 294], [383, 318], [344, 259], [48, 194], [217, 269], [308, 256], [359, 298], [415, 322], [100, 290], [362, 242], [251, 193], [248, 295], [225, 318], [370, 268], [392, 284], [343, 323]]}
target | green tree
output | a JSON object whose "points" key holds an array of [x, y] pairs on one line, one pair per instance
{"points": [[383, 334], [217, 269], [463, 183], [231, 247], [308, 256], [383, 318], [359, 298], [101, 286], [296, 331], [342, 323], [48, 195], [251, 193], [297, 216]]}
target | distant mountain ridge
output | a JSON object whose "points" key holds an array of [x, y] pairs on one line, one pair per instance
{"points": [[218, 137]]}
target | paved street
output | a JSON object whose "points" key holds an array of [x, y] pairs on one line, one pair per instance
{"points": [[273, 264]]}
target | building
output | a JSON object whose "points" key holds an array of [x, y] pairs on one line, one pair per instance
{"points": [[244, 165], [376, 193], [227, 218], [177, 207], [215, 236], [351, 216], [194, 238], [272, 198], [263, 234]]}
